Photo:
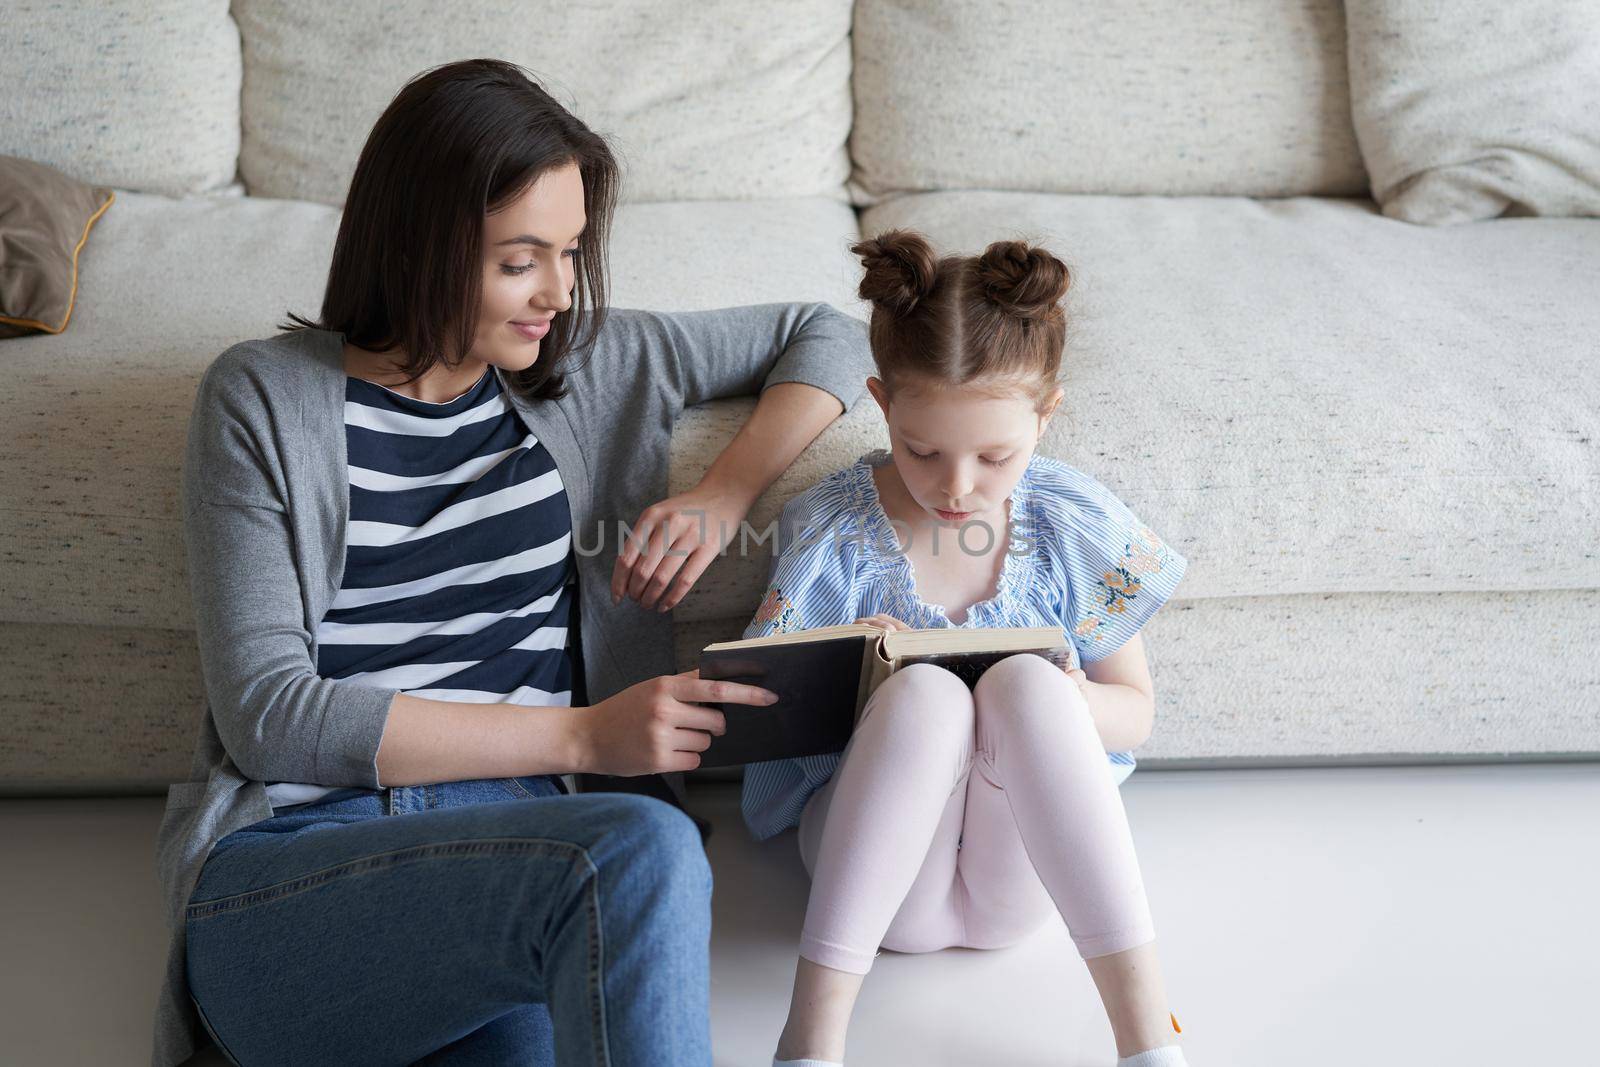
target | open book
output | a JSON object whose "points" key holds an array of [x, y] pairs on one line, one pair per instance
{"points": [[823, 678]]}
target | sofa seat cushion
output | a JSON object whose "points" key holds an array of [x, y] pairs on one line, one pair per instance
{"points": [[92, 708], [94, 423], [1429, 680], [1301, 396]]}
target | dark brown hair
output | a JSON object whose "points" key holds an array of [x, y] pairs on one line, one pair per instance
{"points": [[458, 142], [991, 319]]}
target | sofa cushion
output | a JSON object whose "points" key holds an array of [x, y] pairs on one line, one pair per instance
{"points": [[94, 421], [113, 707], [137, 94], [45, 218], [1464, 110], [1247, 97], [702, 99], [1428, 677], [1301, 396]]}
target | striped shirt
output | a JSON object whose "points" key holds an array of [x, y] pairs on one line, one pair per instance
{"points": [[458, 556], [1079, 559]]}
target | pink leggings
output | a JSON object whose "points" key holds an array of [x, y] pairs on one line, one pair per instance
{"points": [[959, 818]]}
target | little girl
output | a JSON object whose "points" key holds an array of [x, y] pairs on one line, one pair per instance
{"points": [[959, 817]]}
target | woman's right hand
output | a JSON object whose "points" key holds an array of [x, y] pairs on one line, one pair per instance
{"points": [[659, 725]]}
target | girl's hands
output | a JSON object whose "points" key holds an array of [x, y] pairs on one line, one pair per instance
{"points": [[1082, 680], [658, 725], [887, 622], [672, 544]]}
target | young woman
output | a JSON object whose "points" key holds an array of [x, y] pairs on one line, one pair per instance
{"points": [[401, 528], [956, 816]]}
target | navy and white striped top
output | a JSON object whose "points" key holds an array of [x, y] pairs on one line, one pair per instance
{"points": [[1080, 560], [458, 556]]}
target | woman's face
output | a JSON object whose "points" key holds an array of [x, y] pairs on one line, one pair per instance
{"points": [[530, 258], [960, 452]]}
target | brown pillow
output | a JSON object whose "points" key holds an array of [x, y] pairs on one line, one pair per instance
{"points": [[45, 218]]}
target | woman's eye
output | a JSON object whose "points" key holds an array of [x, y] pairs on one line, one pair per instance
{"points": [[571, 253], [999, 462]]}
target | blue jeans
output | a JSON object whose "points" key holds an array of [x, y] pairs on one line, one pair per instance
{"points": [[494, 921]]}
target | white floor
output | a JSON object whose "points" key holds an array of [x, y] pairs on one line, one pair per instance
{"points": [[1313, 917]]}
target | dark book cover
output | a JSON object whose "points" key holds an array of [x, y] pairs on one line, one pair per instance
{"points": [[817, 684]]}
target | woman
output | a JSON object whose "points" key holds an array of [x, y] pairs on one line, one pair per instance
{"points": [[400, 523]]}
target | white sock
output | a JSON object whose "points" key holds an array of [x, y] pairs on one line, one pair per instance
{"points": [[804, 1063], [1165, 1056]]}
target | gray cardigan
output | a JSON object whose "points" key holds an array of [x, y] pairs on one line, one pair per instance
{"points": [[265, 501]]}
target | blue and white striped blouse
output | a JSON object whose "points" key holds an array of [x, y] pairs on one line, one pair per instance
{"points": [[1079, 559], [457, 556]]}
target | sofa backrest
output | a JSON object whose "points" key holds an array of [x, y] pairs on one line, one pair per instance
{"points": [[1201, 97], [702, 99], [138, 95], [710, 99]]}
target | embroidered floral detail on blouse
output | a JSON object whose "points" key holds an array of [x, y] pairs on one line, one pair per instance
{"points": [[1143, 553], [777, 611]]}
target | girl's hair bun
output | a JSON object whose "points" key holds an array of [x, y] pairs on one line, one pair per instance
{"points": [[1021, 279], [900, 270]]}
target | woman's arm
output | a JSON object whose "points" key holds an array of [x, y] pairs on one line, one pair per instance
{"points": [[658, 725], [426, 741], [809, 362], [679, 537], [1121, 696], [278, 720], [740, 351]]}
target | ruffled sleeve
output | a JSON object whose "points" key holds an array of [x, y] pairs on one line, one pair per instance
{"points": [[1110, 570]]}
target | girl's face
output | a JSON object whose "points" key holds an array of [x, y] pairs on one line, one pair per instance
{"points": [[530, 254], [960, 452]]}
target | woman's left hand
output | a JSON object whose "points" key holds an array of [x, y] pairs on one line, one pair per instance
{"points": [[672, 544]]}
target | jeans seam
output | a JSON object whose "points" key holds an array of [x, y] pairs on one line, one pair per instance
{"points": [[519, 787], [597, 997], [432, 850]]}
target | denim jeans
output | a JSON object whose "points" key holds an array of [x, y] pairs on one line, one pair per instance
{"points": [[493, 921]]}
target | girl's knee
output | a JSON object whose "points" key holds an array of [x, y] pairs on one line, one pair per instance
{"points": [[1028, 695], [928, 680], [1016, 678], [927, 696]]}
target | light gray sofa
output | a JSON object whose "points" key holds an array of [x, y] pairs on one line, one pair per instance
{"points": [[1377, 442]]}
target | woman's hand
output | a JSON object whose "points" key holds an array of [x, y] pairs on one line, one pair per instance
{"points": [[673, 543], [658, 725], [887, 622]]}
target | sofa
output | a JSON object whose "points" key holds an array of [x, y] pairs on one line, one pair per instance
{"points": [[1376, 439]]}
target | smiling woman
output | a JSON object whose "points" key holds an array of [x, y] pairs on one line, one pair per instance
{"points": [[525, 281], [408, 666], [439, 225]]}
